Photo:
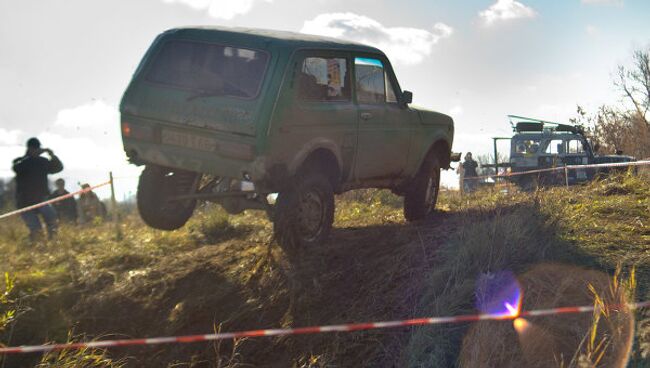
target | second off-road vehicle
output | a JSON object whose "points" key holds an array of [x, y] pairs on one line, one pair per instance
{"points": [[539, 144], [234, 115]]}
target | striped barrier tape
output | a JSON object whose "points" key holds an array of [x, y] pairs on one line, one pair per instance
{"points": [[567, 167], [54, 200], [310, 330]]}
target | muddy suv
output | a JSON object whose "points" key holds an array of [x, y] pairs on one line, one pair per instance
{"points": [[538, 145], [234, 116]]}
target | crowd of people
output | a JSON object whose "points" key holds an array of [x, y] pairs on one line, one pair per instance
{"points": [[32, 187]]}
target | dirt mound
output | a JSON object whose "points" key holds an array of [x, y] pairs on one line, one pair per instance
{"points": [[362, 274]]}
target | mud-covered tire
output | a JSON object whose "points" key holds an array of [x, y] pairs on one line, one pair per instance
{"points": [[421, 196], [304, 214], [156, 186]]}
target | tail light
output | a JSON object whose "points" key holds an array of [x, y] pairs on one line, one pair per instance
{"points": [[136, 131]]}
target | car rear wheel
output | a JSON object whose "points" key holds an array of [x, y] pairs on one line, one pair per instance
{"points": [[421, 197], [156, 190], [304, 214]]}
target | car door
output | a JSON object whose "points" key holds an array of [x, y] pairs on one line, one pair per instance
{"points": [[321, 113], [384, 126], [577, 154]]}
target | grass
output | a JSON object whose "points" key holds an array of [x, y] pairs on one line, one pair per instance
{"points": [[221, 270]]}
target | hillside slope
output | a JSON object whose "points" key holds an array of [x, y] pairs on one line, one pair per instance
{"points": [[221, 272]]}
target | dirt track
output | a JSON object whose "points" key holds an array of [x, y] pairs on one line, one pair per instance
{"points": [[362, 274]]}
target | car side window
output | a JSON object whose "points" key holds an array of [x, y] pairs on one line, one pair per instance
{"points": [[556, 146], [370, 80], [323, 79], [576, 146], [391, 96]]}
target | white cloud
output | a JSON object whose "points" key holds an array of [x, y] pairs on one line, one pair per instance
{"points": [[87, 137], [9, 137], [11, 146], [402, 44], [602, 2], [592, 30], [506, 10], [92, 115], [220, 9], [456, 111]]}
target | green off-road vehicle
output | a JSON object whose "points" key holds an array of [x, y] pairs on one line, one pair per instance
{"points": [[233, 116]]}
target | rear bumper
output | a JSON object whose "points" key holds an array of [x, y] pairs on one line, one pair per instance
{"points": [[147, 153]]}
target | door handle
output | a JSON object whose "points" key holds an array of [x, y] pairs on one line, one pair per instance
{"points": [[366, 116]]}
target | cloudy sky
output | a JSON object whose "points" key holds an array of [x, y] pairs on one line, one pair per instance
{"points": [[65, 63]]}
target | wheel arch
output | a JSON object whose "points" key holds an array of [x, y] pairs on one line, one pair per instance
{"points": [[323, 154], [440, 149]]}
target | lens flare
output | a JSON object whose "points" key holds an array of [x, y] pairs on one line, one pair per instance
{"points": [[521, 325], [514, 311], [499, 295]]}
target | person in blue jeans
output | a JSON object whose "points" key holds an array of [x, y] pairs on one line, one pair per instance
{"points": [[32, 187]]}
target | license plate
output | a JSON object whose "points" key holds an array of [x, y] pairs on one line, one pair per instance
{"points": [[188, 140]]}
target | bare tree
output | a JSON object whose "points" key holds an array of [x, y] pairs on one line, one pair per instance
{"points": [[634, 82], [488, 159], [626, 128]]}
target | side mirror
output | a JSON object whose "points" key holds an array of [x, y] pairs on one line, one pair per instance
{"points": [[407, 98]]}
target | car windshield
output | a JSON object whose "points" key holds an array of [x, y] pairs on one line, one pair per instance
{"points": [[208, 69], [527, 146]]}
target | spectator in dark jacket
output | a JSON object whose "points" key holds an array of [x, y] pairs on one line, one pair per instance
{"points": [[66, 209], [470, 173], [32, 187]]}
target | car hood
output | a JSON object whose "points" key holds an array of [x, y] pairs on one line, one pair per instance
{"points": [[430, 117]]}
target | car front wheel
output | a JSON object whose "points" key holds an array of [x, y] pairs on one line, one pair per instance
{"points": [[304, 213], [421, 197]]}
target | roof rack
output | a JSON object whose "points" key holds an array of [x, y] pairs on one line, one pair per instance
{"points": [[522, 124]]}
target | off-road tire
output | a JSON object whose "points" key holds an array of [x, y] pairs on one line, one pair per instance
{"points": [[156, 186], [304, 213], [421, 196]]}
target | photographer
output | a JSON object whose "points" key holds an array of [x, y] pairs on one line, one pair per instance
{"points": [[32, 187]]}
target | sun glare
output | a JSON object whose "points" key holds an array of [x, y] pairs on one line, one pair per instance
{"points": [[521, 325]]}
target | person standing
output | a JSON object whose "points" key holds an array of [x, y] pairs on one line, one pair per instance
{"points": [[32, 187], [90, 207], [66, 209], [470, 173]]}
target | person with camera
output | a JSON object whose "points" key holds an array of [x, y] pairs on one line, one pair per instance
{"points": [[32, 188]]}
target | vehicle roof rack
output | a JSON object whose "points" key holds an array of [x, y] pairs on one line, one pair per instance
{"points": [[522, 124]]}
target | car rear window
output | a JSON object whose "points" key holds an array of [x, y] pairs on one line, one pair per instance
{"points": [[214, 69]]}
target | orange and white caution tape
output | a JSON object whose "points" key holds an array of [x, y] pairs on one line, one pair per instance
{"points": [[54, 200], [310, 330]]}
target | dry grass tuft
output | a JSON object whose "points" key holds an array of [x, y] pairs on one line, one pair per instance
{"points": [[574, 340]]}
